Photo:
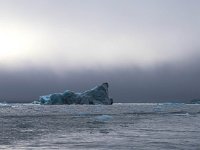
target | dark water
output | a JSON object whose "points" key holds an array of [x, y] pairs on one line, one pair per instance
{"points": [[120, 126]]}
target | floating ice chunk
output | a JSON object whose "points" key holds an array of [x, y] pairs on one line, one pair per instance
{"points": [[183, 114], [195, 101], [103, 118], [97, 95], [4, 104]]}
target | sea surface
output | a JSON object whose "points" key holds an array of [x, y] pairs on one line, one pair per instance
{"points": [[129, 126]]}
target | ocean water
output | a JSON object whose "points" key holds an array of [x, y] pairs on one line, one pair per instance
{"points": [[151, 126]]}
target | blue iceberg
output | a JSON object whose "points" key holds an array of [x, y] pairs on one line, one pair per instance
{"points": [[97, 95]]}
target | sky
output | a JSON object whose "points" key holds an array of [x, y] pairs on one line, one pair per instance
{"points": [[148, 51]]}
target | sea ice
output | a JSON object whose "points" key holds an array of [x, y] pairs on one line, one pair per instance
{"points": [[97, 95]]}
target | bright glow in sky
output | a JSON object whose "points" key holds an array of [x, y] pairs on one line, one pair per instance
{"points": [[66, 34], [16, 43]]}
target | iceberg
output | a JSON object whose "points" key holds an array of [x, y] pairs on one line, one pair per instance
{"points": [[94, 96], [195, 101]]}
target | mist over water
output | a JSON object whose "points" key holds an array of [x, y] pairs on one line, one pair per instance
{"points": [[164, 83]]}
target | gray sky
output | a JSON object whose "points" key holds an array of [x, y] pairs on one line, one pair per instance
{"points": [[147, 50]]}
